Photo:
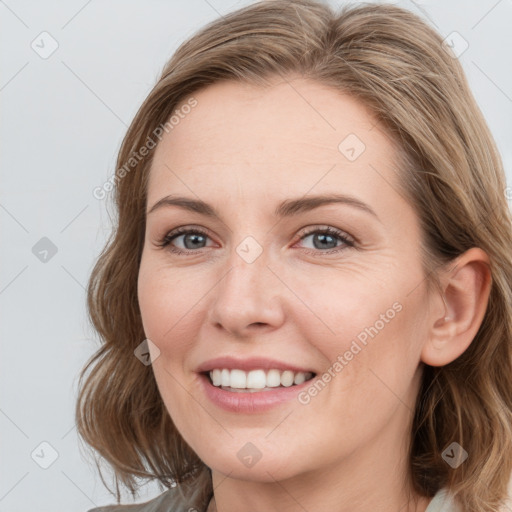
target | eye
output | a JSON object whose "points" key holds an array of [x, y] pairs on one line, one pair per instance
{"points": [[325, 240], [195, 238], [191, 238]]}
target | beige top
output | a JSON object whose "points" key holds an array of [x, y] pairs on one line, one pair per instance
{"points": [[442, 502], [174, 500]]}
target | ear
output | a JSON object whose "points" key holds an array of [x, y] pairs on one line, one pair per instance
{"points": [[466, 288]]}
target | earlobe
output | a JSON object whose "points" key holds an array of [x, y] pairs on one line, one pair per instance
{"points": [[466, 290]]}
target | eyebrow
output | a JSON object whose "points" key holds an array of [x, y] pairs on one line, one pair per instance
{"points": [[287, 208]]}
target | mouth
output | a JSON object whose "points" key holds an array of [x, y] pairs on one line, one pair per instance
{"points": [[258, 380]]}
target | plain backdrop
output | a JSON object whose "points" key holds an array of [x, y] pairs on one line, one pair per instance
{"points": [[73, 75]]}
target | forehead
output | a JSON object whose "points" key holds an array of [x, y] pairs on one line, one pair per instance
{"points": [[291, 136]]}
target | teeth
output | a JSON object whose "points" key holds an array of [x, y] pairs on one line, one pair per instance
{"points": [[216, 377], [299, 378], [273, 378], [257, 379], [287, 378], [238, 379]]}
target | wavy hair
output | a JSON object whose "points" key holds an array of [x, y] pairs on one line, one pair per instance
{"points": [[450, 172]]}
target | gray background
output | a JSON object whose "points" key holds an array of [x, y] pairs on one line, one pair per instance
{"points": [[64, 117]]}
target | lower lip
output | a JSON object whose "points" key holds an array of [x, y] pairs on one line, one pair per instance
{"points": [[250, 402]]}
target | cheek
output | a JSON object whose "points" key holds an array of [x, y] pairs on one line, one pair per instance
{"points": [[344, 309], [366, 333], [168, 304], [154, 301], [168, 316]]}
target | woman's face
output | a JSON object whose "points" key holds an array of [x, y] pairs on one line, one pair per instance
{"points": [[262, 289]]}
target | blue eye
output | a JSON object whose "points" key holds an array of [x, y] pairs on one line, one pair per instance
{"points": [[193, 239], [328, 236], [197, 236]]}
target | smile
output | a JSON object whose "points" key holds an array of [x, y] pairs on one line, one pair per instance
{"points": [[250, 399], [237, 380]]}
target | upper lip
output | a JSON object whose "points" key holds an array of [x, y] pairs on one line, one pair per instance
{"points": [[248, 364]]}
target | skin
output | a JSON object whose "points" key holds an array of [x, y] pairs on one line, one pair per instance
{"points": [[244, 149]]}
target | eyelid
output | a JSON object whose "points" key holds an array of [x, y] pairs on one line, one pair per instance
{"points": [[182, 230], [347, 240], [326, 228]]}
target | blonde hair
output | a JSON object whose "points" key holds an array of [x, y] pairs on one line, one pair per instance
{"points": [[450, 172]]}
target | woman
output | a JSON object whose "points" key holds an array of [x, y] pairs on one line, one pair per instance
{"points": [[306, 303]]}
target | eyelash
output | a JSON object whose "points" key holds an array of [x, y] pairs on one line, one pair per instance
{"points": [[166, 241]]}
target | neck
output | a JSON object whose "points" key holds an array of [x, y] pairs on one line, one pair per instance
{"points": [[242, 498], [372, 477]]}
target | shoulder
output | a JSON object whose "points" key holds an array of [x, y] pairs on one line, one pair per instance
{"points": [[443, 502], [171, 500], [191, 495]]}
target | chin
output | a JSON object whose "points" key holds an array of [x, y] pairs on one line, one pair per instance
{"points": [[237, 463]]}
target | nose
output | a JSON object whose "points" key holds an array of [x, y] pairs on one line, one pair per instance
{"points": [[248, 298]]}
